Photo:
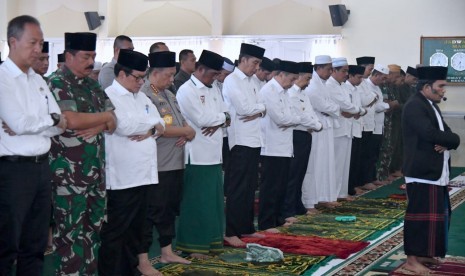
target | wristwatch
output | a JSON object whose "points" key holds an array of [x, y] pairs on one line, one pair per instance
{"points": [[56, 118]]}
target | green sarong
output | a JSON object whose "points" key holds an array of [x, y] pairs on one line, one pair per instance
{"points": [[201, 219]]}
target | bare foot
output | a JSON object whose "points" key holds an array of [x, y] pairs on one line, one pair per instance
{"points": [[369, 186], [287, 224], [254, 235], [380, 182], [429, 260], [291, 219], [412, 264], [168, 256], [234, 241], [199, 256], [273, 230], [348, 198], [397, 174], [312, 211], [359, 191], [146, 269]]}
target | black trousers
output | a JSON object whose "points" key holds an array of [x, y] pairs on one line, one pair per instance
{"points": [[293, 205], [355, 171], [371, 145], [25, 200], [272, 191], [163, 200], [242, 183], [225, 165], [122, 233]]}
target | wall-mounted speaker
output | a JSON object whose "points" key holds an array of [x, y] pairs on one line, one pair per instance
{"points": [[93, 20], [339, 14]]}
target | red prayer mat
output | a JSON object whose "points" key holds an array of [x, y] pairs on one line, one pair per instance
{"points": [[451, 266], [308, 245]]}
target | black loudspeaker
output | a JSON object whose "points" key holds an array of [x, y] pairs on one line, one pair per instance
{"points": [[339, 14], [93, 20]]}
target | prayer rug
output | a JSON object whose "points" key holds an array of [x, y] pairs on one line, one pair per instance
{"points": [[365, 222], [386, 203], [364, 211], [451, 266], [314, 246], [341, 233], [232, 262]]}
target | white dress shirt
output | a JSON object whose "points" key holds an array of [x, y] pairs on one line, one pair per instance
{"points": [[304, 109], [321, 101], [342, 98], [25, 106], [380, 107], [279, 113], [354, 93], [259, 83], [202, 107], [241, 97], [367, 96], [131, 163]]}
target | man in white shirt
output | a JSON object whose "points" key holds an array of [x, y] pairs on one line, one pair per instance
{"points": [[241, 96], [352, 87], [342, 133], [29, 116], [302, 142], [201, 219], [276, 127], [376, 117], [107, 74], [228, 68], [320, 178], [427, 141], [264, 70], [129, 172]]}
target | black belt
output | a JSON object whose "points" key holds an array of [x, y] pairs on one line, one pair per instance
{"points": [[20, 158]]}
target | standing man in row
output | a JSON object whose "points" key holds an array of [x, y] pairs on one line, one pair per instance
{"points": [[302, 143], [427, 142], [40, 66], [201, 220], [29, 117], [165, 197], [187, 67], [107, 74], [129, 172], [245, 140], [77, 158]]}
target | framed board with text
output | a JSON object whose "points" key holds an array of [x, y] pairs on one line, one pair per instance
{"points": [[445, 51]]}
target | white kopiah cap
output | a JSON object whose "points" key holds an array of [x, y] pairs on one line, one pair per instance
{"points": [[323, 59], [340, 61], [381, 68]]}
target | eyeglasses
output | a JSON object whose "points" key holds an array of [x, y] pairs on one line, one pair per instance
{"points": [[138, 78]]}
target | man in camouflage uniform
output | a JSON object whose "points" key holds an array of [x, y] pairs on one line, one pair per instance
{"points": [[77, 159]]}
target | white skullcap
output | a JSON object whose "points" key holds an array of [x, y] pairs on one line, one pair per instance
{"points": [[228, 67], [339, 62], [323, 59], [97, 66], [381, 68]]}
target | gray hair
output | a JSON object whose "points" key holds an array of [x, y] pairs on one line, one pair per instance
{"points": [[16, 26]]}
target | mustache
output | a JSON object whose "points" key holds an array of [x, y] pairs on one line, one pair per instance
{"points": [[90, 67]]}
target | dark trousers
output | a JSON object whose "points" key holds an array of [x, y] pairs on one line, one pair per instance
{"points": [[122, 233], [293, 205], [242, 183], [272, 191], [163, 201], [25, 200], [355, 172], [225, 165], [371, 145]]}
